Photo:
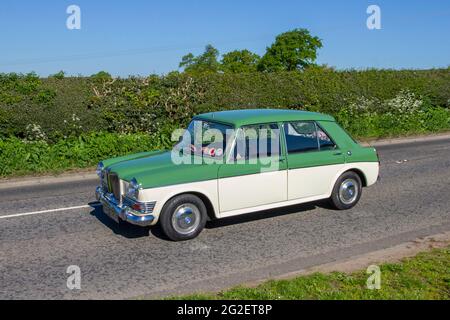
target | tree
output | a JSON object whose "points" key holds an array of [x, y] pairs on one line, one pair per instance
{"points": [[206, 62], [59, 75], [292, 50], [240, 61], [101, 75]]}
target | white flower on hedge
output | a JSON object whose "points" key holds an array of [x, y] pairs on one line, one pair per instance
{"points": [[405, 103], [34, 132], [75, 118], [74, 123], [364, 104]]}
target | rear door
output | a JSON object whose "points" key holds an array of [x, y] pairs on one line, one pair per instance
{"points": [[313, 159]]}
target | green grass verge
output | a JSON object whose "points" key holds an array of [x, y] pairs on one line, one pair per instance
{"points": [[425, 276]]}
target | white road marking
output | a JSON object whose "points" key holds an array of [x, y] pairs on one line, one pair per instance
{"points": [[44, 211]]}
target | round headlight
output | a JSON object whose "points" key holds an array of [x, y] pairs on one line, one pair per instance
{"points": [[100, 168], [133, 188]]}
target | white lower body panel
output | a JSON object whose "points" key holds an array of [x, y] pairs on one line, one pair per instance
{"points": [[250, 193], [252, 190], [312, 184]]}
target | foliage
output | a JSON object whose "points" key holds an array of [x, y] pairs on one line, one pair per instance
{"points": [[71, 106], [403, 114], [21, 157], [27, 100], [370, 103], [292, 50], [204, 63], [422, 277], [101, 76], [242, 61], [35, 153], [59, 75]]}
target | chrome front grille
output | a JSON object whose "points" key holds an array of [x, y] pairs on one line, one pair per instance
{"points": [[105, 182], [149, 206], [111, 184], [114, 185]]}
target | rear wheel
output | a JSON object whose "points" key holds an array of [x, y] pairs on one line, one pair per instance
{"points": [[183, 217], [347, 191]]}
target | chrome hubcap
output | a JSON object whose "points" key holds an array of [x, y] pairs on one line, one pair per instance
{"points": [[348, 192], [186, 218]]}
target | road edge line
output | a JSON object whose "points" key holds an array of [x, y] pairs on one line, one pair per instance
{"points": [[405, 140]]}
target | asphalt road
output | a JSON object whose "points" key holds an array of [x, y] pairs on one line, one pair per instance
{"points": [[122, 261]]}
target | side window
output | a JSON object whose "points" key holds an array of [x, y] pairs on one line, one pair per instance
{"points": [[301, 136], [257, 141], [325, 141]]}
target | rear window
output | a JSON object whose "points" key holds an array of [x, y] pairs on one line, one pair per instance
{"points": [[301, 136], [304, 136], [325, 142]]}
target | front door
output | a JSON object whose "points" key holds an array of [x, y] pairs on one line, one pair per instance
{"points": [[256, 173], [313, 160]]}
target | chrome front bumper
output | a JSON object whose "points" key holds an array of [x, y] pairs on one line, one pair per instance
{"points": [[115, 211]]}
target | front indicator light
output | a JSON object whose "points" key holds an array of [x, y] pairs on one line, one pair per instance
{"points": [[140, 207]]}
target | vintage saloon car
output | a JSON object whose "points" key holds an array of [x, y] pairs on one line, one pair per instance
{"points": [[264, 159]]}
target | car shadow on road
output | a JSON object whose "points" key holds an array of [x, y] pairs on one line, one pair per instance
{"points": [[259, 215], [130, 231], [124, 229]]}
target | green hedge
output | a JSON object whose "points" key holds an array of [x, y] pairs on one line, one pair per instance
{"points": [[20, 157], [56, 108], [54, 123]]}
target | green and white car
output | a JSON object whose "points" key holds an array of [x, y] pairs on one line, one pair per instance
{"points": [[235, 162]]}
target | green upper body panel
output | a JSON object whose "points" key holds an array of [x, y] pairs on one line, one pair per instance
{"points": [[156, 169], [238, 118], [109, 162], [346, 143]]}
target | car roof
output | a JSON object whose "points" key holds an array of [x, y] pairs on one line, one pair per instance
{"points": [[243, 117]]}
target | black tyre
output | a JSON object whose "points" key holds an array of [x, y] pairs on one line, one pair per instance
{"points": [[347, 191], [183, 217]]}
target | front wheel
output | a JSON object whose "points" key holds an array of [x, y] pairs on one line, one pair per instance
{"points": [[347, 191], [183, 217]]}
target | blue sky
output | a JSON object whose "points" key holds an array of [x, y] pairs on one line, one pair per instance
{"points": [[143, 37]]}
